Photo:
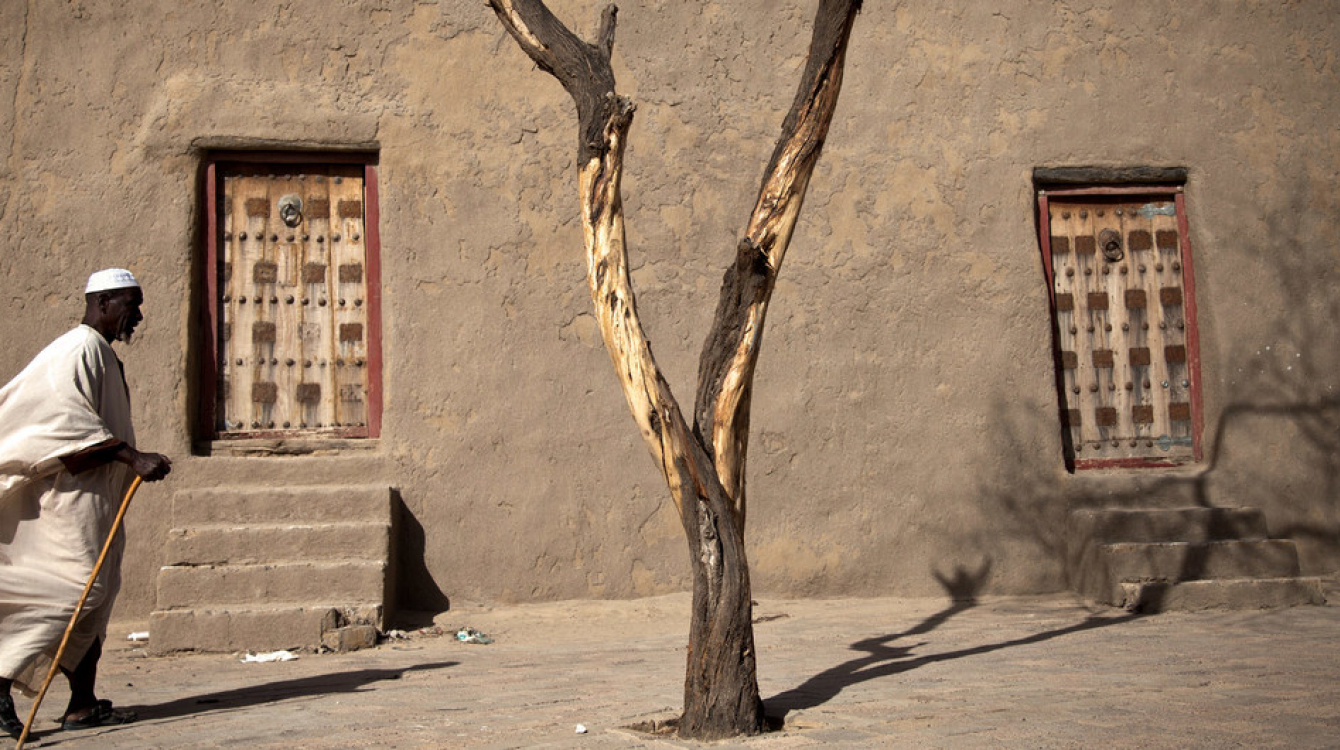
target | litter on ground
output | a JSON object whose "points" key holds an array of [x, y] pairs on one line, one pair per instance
{"points": [[272, 656], [470, 635]]}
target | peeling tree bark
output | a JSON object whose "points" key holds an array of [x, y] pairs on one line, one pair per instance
{"points": [[704, 466]]}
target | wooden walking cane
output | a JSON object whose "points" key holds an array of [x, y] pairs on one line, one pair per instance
{"points": [[78, 608]]}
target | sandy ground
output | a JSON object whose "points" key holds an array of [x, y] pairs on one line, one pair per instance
{"points": [[1033, 672]]}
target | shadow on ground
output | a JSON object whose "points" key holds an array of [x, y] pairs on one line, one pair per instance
{"points": [[252, 695], [270, 692], [885, 658]]}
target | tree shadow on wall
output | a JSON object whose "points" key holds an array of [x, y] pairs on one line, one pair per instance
{"points": [[1280, 394], [1291, 381]]}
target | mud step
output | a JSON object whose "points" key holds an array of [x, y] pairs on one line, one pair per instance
{"points": [[274, 505], [261, 567], [1166, 525], [1185, 561], [219, 544], [268, 628], [353, 582], [1221, 593]]}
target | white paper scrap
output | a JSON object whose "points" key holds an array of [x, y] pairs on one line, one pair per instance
{"points": [[272, 656]]}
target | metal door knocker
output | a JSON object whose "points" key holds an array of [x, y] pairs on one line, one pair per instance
{"points": [[290, 210], [1110, 240]]}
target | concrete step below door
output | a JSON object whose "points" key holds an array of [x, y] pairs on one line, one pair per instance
{"points": [[267, 628], [358, 582], [1166, 525], [272, 505], [220, 544], [264, 567], [1159, 559], [1106, 566], [1221, 593], [1182, 561]]}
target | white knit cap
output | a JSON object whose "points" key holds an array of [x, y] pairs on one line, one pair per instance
{"points": [[111, 278]]}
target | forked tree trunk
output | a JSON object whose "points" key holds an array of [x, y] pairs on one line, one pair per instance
{"points": [[704, 466]]}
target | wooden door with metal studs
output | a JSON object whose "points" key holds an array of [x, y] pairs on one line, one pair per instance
{"points": [[1119, 274], [293, 339]]}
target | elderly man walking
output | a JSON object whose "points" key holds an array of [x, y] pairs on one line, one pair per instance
{"points": [[67, 456]]}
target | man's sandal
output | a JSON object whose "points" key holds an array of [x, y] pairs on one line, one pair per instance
{"points": [[9, 721], [101, 715]]}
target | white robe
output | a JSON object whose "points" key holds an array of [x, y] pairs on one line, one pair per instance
{"points": [[53, 524]]}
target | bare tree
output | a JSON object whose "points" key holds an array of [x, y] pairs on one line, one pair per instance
{"points": [[704, 466]]}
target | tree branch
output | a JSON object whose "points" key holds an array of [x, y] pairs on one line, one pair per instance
{"points": [[583, 69], [605, 37], [730, 354], [604, 118], [719, 439]]}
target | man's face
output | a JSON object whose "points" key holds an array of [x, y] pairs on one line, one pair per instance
{"points": [[122, 312]]}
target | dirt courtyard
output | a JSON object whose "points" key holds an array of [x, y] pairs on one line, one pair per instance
{"points": [[1033, 672]]}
